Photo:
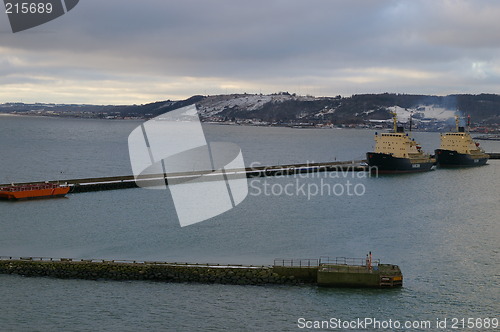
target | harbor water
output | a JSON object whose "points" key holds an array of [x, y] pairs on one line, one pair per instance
{"points": [[440, 227]]}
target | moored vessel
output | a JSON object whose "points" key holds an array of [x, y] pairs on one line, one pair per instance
{"points": [[396, 152], [33, 191], [458, 149]]}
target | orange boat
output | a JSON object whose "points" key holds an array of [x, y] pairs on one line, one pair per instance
{"points": [[32, 191]]}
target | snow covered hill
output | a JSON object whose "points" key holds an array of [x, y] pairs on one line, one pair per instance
{"points": [[284, 107], [290, 109]]}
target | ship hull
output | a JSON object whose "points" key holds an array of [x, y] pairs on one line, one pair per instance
{"points": [[34, 194], [386, 163], [450, 158]]}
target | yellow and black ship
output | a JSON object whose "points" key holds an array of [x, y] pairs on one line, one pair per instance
{"points": [[457, 149], [396, 152]]}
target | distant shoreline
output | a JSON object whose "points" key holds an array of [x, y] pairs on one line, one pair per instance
{"points": [[227, 124], [63, 117]]}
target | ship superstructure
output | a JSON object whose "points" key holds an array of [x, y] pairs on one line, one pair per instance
{"points": [[396, 152]]}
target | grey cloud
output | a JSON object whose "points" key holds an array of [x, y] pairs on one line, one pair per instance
{"points": [[264, 41]]}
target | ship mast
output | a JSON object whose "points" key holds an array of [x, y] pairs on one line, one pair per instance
{"points": [[456, 122], [395, 120]]}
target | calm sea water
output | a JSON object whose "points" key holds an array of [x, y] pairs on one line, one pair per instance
{"points": [[441, 228]]}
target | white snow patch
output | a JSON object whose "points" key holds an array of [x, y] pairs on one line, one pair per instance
{"points": [[439, 113], [428, 112], [249, 102]]}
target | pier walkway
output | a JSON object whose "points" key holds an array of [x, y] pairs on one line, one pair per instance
{"points": [[494, 155], [128, 181]]}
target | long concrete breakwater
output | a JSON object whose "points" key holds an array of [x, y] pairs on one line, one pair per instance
{"points": [[129, 181], [93, 269], [153, 271], [305, 271], [494, 155]]}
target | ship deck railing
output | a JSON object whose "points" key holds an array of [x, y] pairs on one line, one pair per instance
{"points": [[29, 187]]}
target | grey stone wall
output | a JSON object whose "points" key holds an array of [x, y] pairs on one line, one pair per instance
{"points": [[149, 271]]}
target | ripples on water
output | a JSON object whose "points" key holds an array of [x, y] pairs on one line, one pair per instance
{"points": [[441, 228]]}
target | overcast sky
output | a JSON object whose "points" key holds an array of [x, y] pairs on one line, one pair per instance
{"points": [[133, 52]]}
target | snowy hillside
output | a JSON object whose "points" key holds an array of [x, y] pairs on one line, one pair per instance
{"points": [[213, 105], [286, 108], [290, 109]]}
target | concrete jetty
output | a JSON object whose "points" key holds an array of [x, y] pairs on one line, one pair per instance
{"points": [[338, 272], [128, 181], [494, 155]]}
